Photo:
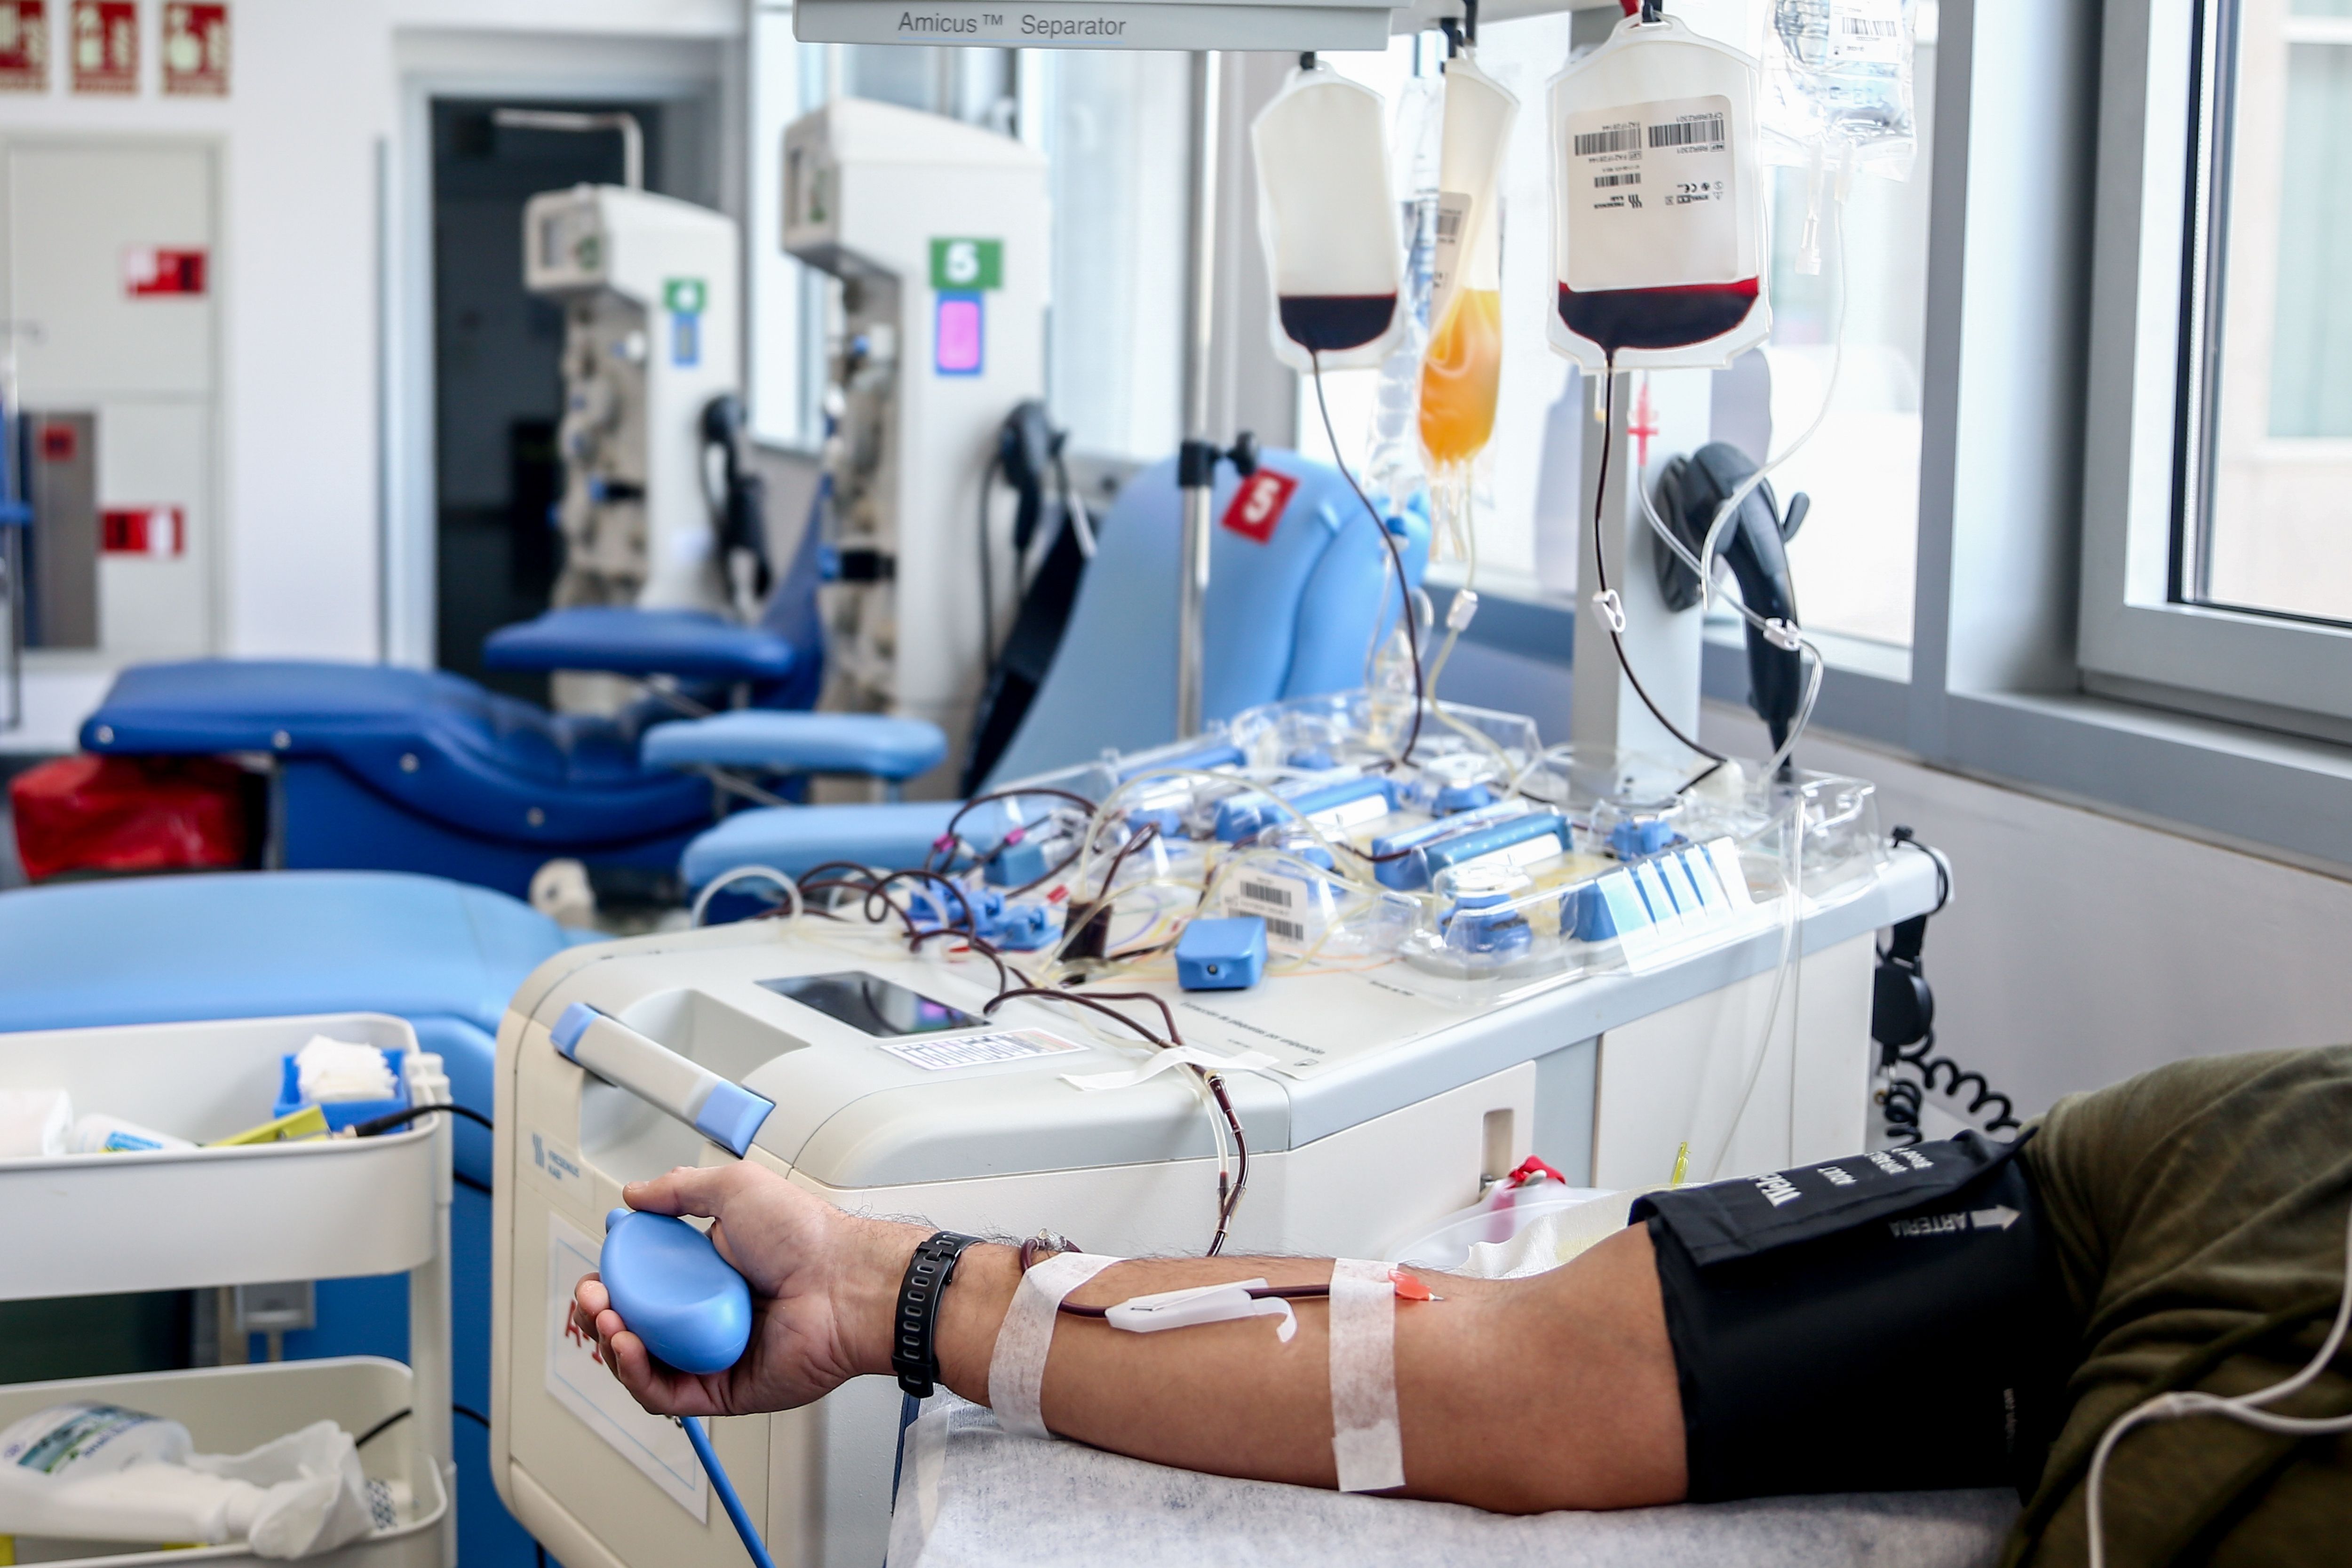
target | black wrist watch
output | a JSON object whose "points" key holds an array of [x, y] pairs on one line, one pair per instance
{"points": [[912, 1354]]}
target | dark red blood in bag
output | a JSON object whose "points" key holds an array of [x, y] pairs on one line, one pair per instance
{"points": [[1329, 323], [1666, 318]]}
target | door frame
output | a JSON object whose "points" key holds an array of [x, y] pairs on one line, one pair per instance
{"points": [[534, 68]]}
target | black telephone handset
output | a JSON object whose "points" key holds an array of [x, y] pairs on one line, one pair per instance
{"points": [[1690, 492], [739, 513]]}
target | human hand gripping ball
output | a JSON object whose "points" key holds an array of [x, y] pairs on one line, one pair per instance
{"points": [[820, 1284]]}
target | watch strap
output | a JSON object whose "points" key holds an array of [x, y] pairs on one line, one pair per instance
{"points": [[913, 1355]]}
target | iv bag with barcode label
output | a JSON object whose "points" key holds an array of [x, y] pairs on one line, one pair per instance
{"points": [[1657, 202], [1328, 220], [1838, 85]]}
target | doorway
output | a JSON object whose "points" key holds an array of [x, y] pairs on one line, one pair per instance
{"points": [[496, 373]]}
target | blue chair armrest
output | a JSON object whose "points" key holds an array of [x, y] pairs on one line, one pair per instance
{"points": [[769, 742], [693, 645], [792, 838]]}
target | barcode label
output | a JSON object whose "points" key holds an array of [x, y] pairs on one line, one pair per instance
{"points": [[1267, 893], [1288, 931], [1689, 130], [1452, 231], [1626, 136], [1638, 224], [1866, 32]]}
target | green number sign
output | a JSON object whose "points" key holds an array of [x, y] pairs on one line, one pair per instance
{"points": [[967, 264]]}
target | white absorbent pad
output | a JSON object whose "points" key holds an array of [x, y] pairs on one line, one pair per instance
{"points": [[972, 1497]]}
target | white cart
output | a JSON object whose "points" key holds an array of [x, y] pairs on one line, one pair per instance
{"points": [[177, 1220]]}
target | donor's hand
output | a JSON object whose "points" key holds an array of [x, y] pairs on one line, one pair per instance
{"points": [[822, 1284]]}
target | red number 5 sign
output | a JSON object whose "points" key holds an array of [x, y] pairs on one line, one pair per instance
{"points": [[1258, 505]]}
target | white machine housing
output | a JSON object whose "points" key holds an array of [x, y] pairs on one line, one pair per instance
{"points": [[653, 301], [938, 232], [1418, 1102]]}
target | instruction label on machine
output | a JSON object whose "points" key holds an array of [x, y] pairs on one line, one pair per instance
{"points": [[576, 1379], [977, 1050]]}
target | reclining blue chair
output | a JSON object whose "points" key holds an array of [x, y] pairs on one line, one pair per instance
{"points": [[1294, 600], [409, 770], [1292, 615]]}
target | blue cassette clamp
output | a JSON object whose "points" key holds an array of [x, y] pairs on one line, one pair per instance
{"points": [[1226, 954]]}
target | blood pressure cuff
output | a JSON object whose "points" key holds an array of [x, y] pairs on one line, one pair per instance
{"points": [[1887, 1323]]}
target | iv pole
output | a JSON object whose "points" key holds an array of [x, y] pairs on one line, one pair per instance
{"points": [[1196, 461]]}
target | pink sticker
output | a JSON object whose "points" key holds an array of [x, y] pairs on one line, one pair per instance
{"points": [[956, 346]]}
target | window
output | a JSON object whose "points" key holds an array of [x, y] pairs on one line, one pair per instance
{"points": [[2218, 547], [2268, 526], [1116, 130]]}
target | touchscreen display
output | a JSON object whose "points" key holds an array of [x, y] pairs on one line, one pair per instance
{"points": [[871, 1004]]}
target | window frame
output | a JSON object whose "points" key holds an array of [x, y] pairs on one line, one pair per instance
{"points": [[2143, 408]]}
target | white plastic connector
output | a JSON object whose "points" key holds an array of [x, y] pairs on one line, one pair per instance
{"points": [[427, 1083], [1459, 614], [1782, 634], [1612, 608], [1202, 1304]]}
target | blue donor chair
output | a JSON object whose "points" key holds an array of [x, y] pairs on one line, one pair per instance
{"points": [[375, 767], [1300, 584]]}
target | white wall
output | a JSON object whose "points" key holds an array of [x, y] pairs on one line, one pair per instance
{"points": [[2080, 948], [315, 90]]}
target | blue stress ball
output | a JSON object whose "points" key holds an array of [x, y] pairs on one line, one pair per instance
{"points": [[675, 1292]]}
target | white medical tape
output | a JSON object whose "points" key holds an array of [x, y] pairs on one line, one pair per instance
{"points": [[1365, 1441], [1175, 1056], [1016, 1367]]}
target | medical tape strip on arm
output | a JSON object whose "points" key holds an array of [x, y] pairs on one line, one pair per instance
{"points": [[1016, 1367], [1365, 1441]]}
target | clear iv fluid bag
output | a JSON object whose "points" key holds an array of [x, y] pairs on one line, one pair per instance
{"points": [[1392, 467], [1838, 83], [1327, 215], [1657, 202]]}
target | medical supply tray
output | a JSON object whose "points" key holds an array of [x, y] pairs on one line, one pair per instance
{"points": [[178, 1219], [182, 1219]]}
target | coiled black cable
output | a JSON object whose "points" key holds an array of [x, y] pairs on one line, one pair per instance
{"points": [[1904, 1025]]}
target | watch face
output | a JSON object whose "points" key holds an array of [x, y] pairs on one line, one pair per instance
{"points": [[871, 1004]]}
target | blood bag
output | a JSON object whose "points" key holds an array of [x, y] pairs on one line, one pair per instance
{"points": [[1327, 217], [1461, 371], [1658, 211]]}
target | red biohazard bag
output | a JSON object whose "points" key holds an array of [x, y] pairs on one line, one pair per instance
{"points": [[131, 814]]}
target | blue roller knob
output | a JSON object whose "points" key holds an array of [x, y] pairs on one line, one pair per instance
{"points": [[674, 1291]]}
